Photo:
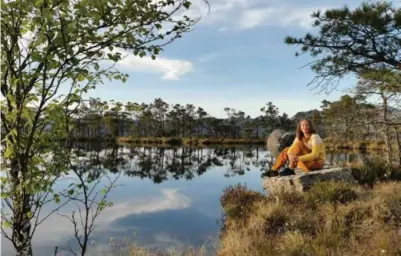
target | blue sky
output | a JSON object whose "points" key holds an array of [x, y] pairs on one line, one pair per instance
{"points": [[235, 57]]}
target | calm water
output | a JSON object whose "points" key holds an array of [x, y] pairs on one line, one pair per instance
{"points": [[166, 197]]}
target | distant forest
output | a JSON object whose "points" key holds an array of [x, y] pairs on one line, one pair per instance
{"points": [[349, 118]]}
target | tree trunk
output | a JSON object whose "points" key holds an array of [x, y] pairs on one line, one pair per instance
{"points": [[397, 134], [387, 129], [21, 224]]}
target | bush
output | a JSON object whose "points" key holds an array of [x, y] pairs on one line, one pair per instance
{"points": [[344, 220], [277, 221], [374, 170], [237, 201]]}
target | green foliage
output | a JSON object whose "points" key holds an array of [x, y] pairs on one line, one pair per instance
{"points": [[379, 81], [347, 118], [353, 40], [54, 52], [375, 170], [159, 119]]}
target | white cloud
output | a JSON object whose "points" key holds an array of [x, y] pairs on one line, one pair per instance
{"points": [[248, 14], [253, 18], [208, 57], [171, 69], [282, 16]]}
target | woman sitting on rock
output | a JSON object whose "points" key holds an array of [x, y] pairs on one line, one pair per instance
{"points": [[306, 152]]}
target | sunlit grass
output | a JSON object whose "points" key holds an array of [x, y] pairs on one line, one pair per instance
{"points": [[329, 219], [125, 247]]}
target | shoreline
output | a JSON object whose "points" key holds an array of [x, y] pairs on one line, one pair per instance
{"points": [[330, 145], [177, 141]]}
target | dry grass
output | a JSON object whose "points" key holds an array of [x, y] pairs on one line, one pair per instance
{"points": [[127, 248], [330, 219], [187, 141]]}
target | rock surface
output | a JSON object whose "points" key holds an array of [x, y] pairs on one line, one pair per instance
{"points": [[302, 181], [278, 140]]}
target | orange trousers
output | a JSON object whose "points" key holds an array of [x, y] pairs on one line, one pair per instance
{"points": [[298, 149]]}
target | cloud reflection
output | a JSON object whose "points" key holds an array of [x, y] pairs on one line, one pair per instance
{"points": [[170, 199], [52, 231]]}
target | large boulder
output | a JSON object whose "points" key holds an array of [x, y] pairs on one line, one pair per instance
{"points": [[302, 181], [278, 140]]}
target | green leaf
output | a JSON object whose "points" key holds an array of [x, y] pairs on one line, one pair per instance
{"points": [[7, 224], [56, 198], [35, 56], [187, 4], [80, 78], [104, 191]]}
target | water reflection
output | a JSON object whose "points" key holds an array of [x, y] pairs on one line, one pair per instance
{"points": [[169, 196], [163, 163]]}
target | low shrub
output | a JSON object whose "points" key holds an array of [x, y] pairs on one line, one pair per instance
{"points": [[331, 192], [238, 201], [332, 218], [374, 170]]}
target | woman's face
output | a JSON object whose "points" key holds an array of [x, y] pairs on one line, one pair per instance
{"points": [[305, 127]]}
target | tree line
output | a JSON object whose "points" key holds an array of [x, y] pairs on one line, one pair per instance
{"points": [[352, 117], [48, 45], [370, 111], [96, 118]]}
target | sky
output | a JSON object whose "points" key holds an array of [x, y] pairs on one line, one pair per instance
{"points": [[235, 57]]}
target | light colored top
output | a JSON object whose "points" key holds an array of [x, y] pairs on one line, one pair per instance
{"points": [[315, 144]]}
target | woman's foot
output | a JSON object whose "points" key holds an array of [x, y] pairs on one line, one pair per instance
{"points": [[270, 173], [286, 172]]}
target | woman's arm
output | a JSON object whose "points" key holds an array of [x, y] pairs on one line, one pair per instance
{"points": [[293, 145], [316, 142]]}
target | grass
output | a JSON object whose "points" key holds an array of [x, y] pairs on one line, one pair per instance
{"points": [[129, 248], [332, 218], [177, 141]]}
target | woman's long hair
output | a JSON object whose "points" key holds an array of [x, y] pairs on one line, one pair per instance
{"points": [[299, 133]]}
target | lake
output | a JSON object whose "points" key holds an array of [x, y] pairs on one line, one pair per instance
{"points": [[166, 197]]}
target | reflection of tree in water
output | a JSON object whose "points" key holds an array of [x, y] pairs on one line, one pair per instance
{"points": [[96, 159], [160, 164], [163, 163]]}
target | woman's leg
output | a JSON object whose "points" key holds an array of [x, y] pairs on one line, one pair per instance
{"points": [[317, 164], [281, 160], [297, 150]]}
